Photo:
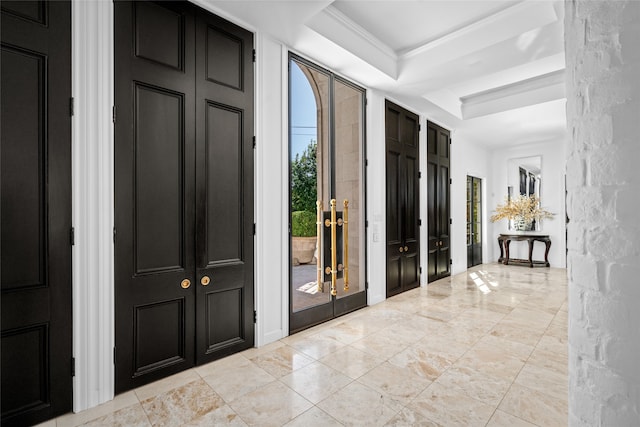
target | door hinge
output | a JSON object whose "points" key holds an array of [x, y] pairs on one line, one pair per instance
{"points": [[73, 366], [254, 55], [450, 181], [114, 234], [366, 223], [71, 106], [255, 316], [113, 114], [254, 141], [450, 261], [419, 128], [450, 220], [419, 222], [254, 228], [366, 162], [420, 270], [419, 175], [72, 236]]}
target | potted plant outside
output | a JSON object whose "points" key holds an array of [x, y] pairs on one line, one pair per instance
{"points": [[303, 240]]}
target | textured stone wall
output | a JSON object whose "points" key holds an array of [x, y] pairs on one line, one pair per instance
{"points": [[603, 181]]}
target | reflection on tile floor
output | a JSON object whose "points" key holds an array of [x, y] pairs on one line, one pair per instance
{"points": [[485, 347]]}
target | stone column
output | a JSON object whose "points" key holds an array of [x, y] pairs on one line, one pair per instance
{"points": [[602, 40]]}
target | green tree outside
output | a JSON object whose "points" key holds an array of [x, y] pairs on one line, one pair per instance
{"points": [[304, 187]]}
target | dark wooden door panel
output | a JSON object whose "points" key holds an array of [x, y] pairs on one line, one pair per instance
{"points": [[36, 211], [224, 213], [402, 196], [154, 190], [438, 205]]}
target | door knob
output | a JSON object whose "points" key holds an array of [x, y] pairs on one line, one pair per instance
{"points": [[185, 283], [400, 249], [205, 280], [406, 248]]}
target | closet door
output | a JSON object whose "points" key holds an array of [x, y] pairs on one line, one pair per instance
{"points": [[402, 176], [224, 187], [184, 189], [154, 191], [438, 201], [36, 211]]}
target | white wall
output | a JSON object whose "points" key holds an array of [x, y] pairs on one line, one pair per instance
{"points": [[468, 158], [552, 197]]}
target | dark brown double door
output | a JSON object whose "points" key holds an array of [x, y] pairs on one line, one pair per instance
{"points": [[438, 201], [402, 199], [36, 211], [183, 189]]}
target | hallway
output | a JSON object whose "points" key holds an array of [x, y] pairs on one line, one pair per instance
{"points": [[485, 347]]}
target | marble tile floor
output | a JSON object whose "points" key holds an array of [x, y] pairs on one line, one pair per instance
{"points": [[487, 347]]}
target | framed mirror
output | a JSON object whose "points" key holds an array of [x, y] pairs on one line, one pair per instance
{"points": [[524, 177]]}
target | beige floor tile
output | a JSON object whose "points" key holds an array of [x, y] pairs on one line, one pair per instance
{"points": [[50, 423], [253, 352], [544, 380], [166, 384], [505, 347], [351, 361], [359, 405], [549, 360], [518, 333], [272, 405], [534, 407], [121, 401], [345, 333], [316, 381], [422, 362], [317, 346], [409, 418], [238, 380], [222, 416], [221, 365], [131, 416], [451, 407], [554, 344], [489, 389], [394, 382], [282, 361], [314, 417], [502, 419], [182, 405], [380, 345], [492, 362]]}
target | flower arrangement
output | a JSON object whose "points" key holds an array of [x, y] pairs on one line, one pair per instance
{"points": [[523, 210]]}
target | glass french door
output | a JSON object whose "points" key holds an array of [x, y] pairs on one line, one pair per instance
{"points": [[474, 221], [326, 164]]}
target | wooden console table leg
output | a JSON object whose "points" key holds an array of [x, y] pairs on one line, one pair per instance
{"points": [[501, 259], [506, 250], [547, 244], [531, 253]]}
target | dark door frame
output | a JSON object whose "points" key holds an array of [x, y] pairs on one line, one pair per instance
{"points": [[474, 253], [336, 307]]}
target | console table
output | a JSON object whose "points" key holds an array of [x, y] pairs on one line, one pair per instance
{"points": [[505, 239]]}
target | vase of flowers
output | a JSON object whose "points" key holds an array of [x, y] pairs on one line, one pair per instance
{"points": [[522, 210]]}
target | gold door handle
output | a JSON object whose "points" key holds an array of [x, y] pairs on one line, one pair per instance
{"points": [[400, 249], [406, 248], [185, 283], [205, 280]]}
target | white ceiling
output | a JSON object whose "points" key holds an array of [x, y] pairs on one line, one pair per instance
{"points": [[491, 70]]}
